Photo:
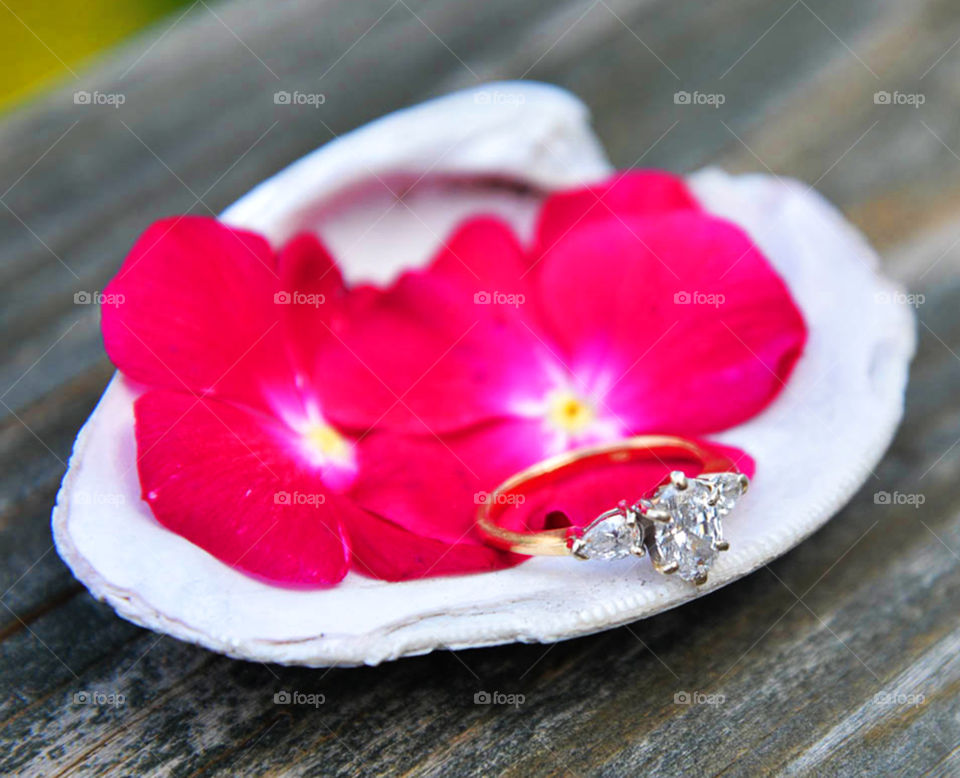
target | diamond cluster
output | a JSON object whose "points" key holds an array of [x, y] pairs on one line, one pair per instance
{"points": [[680, 525]]}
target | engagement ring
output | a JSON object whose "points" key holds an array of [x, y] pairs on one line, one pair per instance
{"points": [[679, 524]]}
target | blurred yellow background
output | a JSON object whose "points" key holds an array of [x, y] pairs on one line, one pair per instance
{"points": [[37, 38]]}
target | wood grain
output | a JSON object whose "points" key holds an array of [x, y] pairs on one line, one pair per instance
{"points": [[814, 666]]}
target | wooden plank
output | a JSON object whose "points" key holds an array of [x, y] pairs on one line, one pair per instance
{"points": [[799, 678]]}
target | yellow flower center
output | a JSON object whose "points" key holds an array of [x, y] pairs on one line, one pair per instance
{"points": [[328, 444], [568, 412]]}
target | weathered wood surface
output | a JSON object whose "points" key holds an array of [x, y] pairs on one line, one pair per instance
{"points": [[799, 652]]}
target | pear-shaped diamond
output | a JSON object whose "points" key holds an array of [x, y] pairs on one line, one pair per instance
{"points": [[613, 535], [729, 487]]}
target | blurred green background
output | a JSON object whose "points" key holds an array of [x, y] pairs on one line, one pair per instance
{"points": [[36, 36]]}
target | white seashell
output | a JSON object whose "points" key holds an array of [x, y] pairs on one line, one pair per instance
{"points": [[816, 444]]}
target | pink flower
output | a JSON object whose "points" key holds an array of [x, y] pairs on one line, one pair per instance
{"points": [[633, 311], [237, 451], [295, 428]]}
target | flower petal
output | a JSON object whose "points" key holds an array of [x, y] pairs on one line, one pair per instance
{"points": [[483, 258], [228, 480], [434, 486], [680, 320], [627, 194], [423, 358], [197, 311], [311, 298], [383, 550]]}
